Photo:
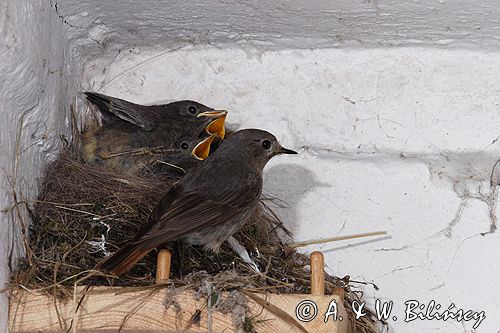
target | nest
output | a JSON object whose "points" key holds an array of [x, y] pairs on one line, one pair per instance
{"points": [[85, 212]]}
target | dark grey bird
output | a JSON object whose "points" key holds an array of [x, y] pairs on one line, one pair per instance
{"points": [[210, 204], [132, 134]]}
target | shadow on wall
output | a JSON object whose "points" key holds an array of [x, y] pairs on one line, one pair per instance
{"points": [[290, 183]]}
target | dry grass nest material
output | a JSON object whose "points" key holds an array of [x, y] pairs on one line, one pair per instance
{"points": [[84, 212]]}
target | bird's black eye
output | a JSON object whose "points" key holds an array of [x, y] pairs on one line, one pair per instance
{"points": [[184, 146], [266, 144], [192, 109]]}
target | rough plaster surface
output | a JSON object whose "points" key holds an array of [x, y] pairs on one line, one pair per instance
{"points": [[401, 139], [392, 137], [278, 24], [35, 91]]}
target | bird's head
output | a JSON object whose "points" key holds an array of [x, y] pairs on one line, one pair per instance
{"points": [[183, 155], [260, 145], [193, 148], [206, 118]]}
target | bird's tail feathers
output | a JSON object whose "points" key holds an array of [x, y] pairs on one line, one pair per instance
{"points": [[100, 100], [123, 260]]}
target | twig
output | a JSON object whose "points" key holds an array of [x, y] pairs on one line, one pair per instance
{"points": [[139, 151], [209, 306], [276, 311], [79, 211], [172, 165], [24, 228], [336, 239]]}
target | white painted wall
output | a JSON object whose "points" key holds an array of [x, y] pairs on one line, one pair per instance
{"points": [[392, 105], [281, 23], [36, 86]]}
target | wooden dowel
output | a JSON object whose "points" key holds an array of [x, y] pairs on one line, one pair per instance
{"points": [[317, 273], [163, 266]]}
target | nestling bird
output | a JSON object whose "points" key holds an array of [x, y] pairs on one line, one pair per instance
{"points": [[132, 134], [210, 204], [184, 155]]}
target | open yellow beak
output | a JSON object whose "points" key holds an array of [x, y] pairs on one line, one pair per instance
{"points": [[217, 126], [213, 113], [202, 149]]}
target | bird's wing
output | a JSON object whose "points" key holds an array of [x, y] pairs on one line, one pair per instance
{"points": [[110, 107], [175, 218]]}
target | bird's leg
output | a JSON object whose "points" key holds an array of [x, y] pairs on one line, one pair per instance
{"points": [[242, 252], [178, 257], [217, 260]]}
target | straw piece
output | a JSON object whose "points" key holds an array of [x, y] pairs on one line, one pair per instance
{"points": [[335, 239]]}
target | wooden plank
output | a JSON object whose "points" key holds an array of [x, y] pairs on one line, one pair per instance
{"points": [[145, 311]]}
